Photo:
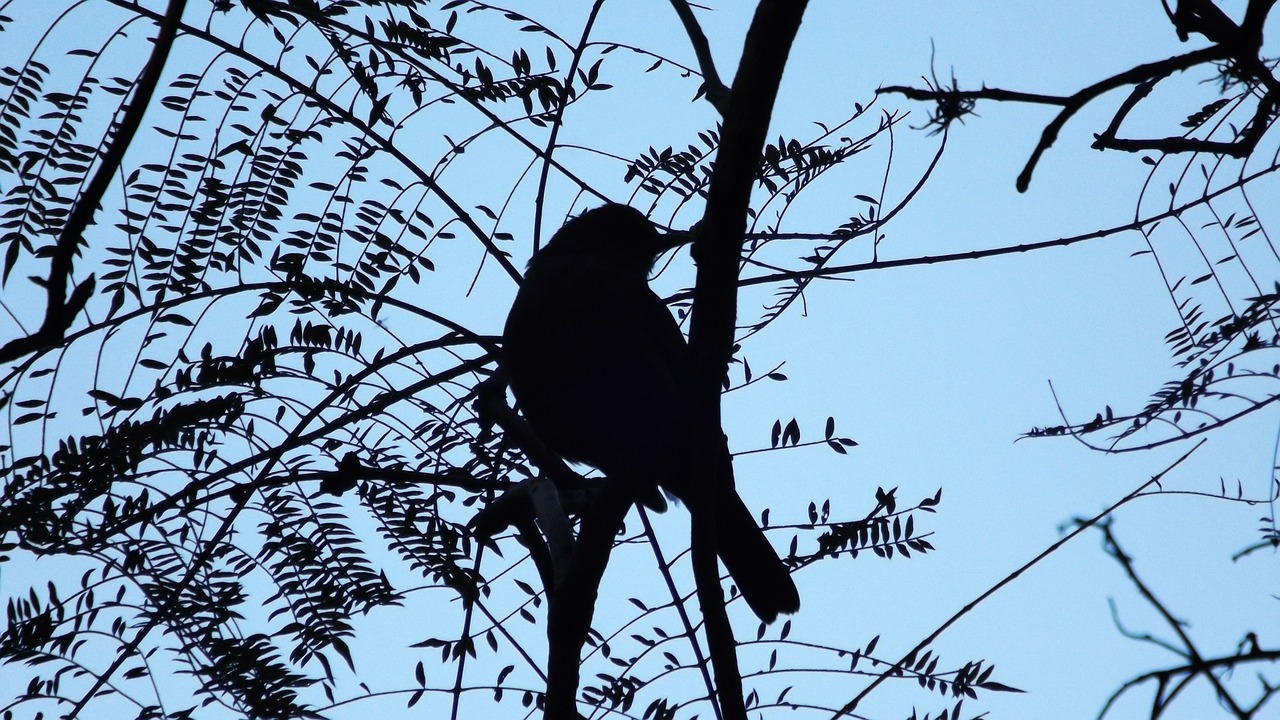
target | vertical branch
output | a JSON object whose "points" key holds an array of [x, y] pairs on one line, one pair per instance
{"points": [[1196, 664], [718, 252], [572, 602], [558, 122]]}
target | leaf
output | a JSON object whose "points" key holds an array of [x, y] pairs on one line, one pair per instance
{"points": [[999, 687], [792, 433], [175, 319]]}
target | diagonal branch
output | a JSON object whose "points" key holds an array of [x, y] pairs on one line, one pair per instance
{"points": [[61, 311], [717, 94], [1081, 525]]}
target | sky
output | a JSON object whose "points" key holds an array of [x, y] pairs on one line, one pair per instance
{"points": [[937, 370]]}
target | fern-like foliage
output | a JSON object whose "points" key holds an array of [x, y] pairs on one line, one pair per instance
{"points": [[246, 441]]}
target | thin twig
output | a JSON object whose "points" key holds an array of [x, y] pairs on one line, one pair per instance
{"points": [[1197, 663], [715, 90], [1082, 526]]}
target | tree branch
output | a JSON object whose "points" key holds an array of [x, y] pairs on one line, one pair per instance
{"points": [[572, 602], [1071, 104], [1196, 664], [718, 251], [61, 311], [1081, 526], [717, 94]]}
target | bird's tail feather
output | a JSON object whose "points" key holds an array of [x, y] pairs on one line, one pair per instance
{"points": [[761, 576]]}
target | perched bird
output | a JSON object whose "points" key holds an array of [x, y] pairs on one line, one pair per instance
{"points": [[603, 375]]}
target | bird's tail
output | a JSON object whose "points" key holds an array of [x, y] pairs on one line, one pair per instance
{"points": [[761, 576]]}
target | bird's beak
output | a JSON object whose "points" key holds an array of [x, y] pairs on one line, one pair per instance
{"points": [[673, 240]]}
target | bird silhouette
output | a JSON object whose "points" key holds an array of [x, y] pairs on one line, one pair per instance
{"points": [[603, 375]]}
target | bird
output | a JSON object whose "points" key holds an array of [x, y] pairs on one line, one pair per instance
{"points": [[603, 375]]}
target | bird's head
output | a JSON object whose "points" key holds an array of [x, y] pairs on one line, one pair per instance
{"points": [[614, 233]]}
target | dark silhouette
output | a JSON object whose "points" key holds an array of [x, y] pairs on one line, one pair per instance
{"points": [[601, 371]]}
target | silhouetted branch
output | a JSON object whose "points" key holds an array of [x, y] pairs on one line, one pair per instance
{"points": [[718, 253], [1081, 526], [833, 271], [1240, 45], [1179, 677], [1148, 72], [558, 121], [678, 601], [1079, 430], [61, 311], [572, 602], [716, 92]]}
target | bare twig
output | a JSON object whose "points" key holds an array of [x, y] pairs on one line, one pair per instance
{"points": [[715, 90], [1196, 665], [1140, 75], [1083, 525], [558, 122], [678, 601]]}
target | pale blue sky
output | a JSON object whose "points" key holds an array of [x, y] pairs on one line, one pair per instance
{"points": [[936, 370]]}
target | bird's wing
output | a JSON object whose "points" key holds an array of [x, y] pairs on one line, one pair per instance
{"points": [[599, 364]]}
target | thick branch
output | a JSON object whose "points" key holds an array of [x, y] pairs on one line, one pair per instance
{"points": [[719, 250], [572, 601]]}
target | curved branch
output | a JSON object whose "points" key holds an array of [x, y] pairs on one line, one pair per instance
{"points": [[1146, 72]]}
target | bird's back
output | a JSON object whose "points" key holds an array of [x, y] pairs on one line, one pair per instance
{"points": [[600, 367]]}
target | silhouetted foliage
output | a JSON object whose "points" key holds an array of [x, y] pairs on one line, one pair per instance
{"points": [[253, 421], [254, 254]]}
